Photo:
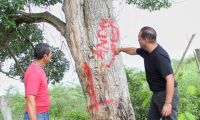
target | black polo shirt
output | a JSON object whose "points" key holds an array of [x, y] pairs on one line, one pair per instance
{"points": [[157, 67]]}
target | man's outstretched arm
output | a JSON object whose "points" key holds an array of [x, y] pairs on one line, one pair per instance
{"points": [[129, 50]]}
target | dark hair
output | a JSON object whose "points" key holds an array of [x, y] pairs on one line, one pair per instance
{"points": [[40, 50], [149, 33]]}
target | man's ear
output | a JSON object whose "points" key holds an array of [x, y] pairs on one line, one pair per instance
{"points": [[146, 40], [45, 56]]}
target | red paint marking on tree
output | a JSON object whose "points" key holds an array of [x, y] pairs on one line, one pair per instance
{"points": [[94, 104], [92, 92], [107, 33]]}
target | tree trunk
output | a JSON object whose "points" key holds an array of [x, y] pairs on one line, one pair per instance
{"points": [[92, 34], [5, 108]]}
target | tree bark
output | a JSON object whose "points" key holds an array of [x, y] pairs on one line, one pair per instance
{"points": [[5, 108], [23, 17], [92, 35]]}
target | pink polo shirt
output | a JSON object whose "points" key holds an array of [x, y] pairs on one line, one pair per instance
{"points": [[35, 82]]}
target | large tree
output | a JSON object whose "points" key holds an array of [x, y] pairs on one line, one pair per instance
{"points": [[92, 34]]}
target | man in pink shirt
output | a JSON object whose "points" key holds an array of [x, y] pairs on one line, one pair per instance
{"points": [[36, 86]]}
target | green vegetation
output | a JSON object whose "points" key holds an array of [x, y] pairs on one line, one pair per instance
{"points": [[139, 92], [189, 80], [151, 5], [68, 104]]}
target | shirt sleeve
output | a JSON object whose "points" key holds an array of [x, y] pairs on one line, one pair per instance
{"points": [[141, 52], [32, 84], [163, 64]]}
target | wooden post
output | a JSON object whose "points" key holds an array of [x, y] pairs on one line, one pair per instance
{"points": [[179, 64], [197, 57]]}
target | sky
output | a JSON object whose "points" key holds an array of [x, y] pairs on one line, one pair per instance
{"points": [[174, 27]]}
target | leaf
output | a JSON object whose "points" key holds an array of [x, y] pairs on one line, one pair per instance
{"points": [[186, 116], [150, 5], [191, 90], [189, 116], [181, 116]]}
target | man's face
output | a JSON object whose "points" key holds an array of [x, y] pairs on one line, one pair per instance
{"points": [[141, 41], [48, 57]]}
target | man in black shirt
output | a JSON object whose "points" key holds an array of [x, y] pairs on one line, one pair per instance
{"points": [[159, 74]]}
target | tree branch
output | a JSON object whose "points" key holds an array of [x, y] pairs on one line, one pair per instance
{"points": [[27, 39], [23, 17], [6, 73], [5, 35], [21, 71]]}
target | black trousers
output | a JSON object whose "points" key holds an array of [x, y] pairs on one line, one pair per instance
{"points": [[157, 102]]}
